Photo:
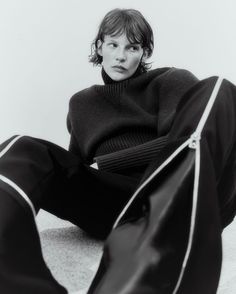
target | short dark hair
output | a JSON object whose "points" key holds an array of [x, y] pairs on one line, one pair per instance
{"points": [[128, 21]]}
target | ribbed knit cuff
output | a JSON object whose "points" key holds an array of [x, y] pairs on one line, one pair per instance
{"points": [[131, 157]]}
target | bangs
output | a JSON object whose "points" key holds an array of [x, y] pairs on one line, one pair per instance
{"points": [[124, 25]]}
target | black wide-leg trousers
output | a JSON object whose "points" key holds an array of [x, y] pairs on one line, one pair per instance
{"points": [[38, 174]]}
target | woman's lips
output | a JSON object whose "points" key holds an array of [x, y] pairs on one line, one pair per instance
{"points": [[119, 68]]}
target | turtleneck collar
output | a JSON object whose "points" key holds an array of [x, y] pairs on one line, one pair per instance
{"points": [[107, 80], [112, 88]]}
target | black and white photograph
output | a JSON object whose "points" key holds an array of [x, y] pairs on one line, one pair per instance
{"points": [[117, 147]]}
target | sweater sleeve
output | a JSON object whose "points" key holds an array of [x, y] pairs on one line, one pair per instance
{"points": [[131, 157], [73, 144]]}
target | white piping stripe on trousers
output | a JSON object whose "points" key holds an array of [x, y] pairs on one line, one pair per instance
{"points": [[164, 164], [193, 216], [9, 146], [209, 105], [197, 134], [20, 191], [11, 183], [196, 177]]}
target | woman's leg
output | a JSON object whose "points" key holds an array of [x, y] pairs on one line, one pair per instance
{"points": [[90, 198], [176, 244], [24, 165], [35, 173], [219, 134], [22, 267]]}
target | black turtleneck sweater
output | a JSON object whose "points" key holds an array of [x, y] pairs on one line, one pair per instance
{"points": [[122, 125]]}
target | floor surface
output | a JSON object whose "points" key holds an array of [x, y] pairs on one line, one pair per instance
{"points": [[73, 257]]}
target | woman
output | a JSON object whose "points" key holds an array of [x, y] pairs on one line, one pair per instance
{"points": [[117, 132]]}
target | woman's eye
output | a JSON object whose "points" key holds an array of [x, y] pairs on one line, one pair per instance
{"points": [[133, 48], [113, 45]]}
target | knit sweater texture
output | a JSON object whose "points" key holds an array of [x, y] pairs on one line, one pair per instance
{"points": [[123, 125]]}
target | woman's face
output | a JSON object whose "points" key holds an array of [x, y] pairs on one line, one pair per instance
{"points": [[120, 57]]}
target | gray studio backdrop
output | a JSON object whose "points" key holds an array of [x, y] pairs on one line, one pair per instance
{"points": [[44, 48]]}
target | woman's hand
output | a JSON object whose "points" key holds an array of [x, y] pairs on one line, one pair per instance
{"points": [[94, 165]]}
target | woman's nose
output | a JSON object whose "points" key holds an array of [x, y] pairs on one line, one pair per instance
{"points": [[121, 56]]}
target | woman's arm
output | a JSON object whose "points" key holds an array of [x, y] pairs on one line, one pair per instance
{"points": [[131, 157]]}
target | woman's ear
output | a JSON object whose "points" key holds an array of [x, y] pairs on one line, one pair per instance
{"points": [[145, 55], [99, 47]]}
